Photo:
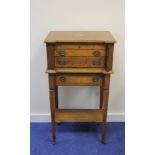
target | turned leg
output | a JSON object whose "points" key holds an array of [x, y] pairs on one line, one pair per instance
{"points": [[105, 98]]}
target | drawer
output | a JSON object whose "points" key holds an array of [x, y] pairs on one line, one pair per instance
{"points": [[80, 61], [80, 52], [79, 80], [80, 46]]}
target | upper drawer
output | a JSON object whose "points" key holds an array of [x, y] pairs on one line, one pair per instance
{"points": [[87, 52], [80, 46]]}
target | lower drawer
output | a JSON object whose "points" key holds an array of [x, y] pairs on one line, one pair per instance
{"points": [[80, 61], [77, 79]]}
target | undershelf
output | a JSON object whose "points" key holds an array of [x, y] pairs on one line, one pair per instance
{"points": [[79, 115]]}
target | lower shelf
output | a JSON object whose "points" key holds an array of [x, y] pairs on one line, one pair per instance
{"points": [[79, 115]]}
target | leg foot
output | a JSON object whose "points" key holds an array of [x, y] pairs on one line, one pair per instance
{"points": [[53, 141], [104, 133], [53, 132], [103, 141]]}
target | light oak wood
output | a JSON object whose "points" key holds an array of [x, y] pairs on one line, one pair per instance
{"points": [[109, 63], [52, 107], [80, 53], [79, 115], [77, 46], [50, 56], [79, 59], [56, 97], [105, 99], [79, 80], [78, 70], [80, 62], [80, 36], [106, 82]]}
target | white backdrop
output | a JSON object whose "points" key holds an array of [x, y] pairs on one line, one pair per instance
{"points": [[47, 15]]}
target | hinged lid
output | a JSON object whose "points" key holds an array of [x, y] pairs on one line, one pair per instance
{"points": [[80, 36]]}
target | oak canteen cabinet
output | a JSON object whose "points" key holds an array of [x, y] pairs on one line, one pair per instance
{"points": [[79, 58]]}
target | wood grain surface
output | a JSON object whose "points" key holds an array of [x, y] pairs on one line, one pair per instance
{"points": [[80, 36], [78, 115]]}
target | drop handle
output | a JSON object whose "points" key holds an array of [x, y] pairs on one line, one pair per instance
{"points": [[96, 53], [96, 62], [61, 53], [61, 62], [62, 78]]}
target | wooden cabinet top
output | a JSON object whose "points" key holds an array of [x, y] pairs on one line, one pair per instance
{"points": [[80, 36]]}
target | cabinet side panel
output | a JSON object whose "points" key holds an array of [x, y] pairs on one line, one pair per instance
{"points": [[109, 62], [50, 55]]}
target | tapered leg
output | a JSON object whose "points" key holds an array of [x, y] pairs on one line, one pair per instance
{"points": [[52, 103], [57, 100], [52, 106], [56, 97], [101, 99], [105, 107], [101, 96], [53, 133], [103, 132], [105, 99]]}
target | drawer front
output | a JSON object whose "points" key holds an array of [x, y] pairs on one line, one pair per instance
{"points": [[78, 80], [80, 61], [74, 52], [80, 46]]}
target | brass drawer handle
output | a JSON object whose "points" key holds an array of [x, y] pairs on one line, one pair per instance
{"points": [[95, 79], [61, 62], [61, 53], [96, 53], [96, 62], [62, 78]]}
